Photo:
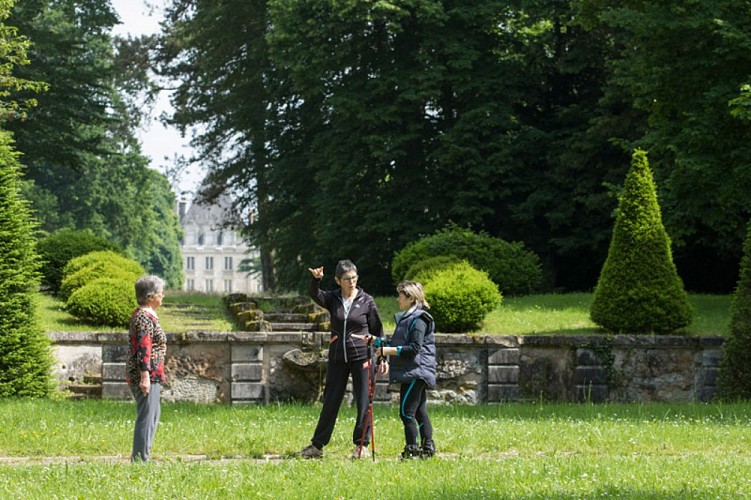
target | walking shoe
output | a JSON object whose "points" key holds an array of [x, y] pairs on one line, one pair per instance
{"points": [[309, 452], [427, 450], [411, 451], [360, 452]]}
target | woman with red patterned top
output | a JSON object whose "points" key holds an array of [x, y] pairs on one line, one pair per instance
{"points": [[145, 363]]}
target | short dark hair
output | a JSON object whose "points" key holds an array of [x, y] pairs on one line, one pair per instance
{"points": [[343, 267]]}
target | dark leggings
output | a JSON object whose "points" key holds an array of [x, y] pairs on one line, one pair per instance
{"points": [[413, 411], [337, 375]]}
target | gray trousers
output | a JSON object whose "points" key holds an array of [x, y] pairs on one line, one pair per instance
{"points": [[148, 409]]}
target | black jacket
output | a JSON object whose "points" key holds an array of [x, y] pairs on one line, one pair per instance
{"points": [[363, 319]]}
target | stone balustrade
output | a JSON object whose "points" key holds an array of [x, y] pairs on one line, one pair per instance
{"points": [[263, 367]]}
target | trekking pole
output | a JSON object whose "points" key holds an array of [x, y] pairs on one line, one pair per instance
{"points": [[372, 379], [371, 394]]}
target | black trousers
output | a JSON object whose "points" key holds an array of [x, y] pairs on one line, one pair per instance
{"points": [[337, 375], [413, 410]]}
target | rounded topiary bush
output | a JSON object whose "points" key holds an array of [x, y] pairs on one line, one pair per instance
{"points": [[422, 270], [460, 297], [104, 301], [58, 248], [96, 270], [515, 270], [103, 256]]}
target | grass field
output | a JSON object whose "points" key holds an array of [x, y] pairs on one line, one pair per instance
{"points": [[534, 314], [64, 449], [69, 449]]}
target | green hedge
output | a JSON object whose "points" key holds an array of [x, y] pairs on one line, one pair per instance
{"points": [[58, 248], [734, 381], [515, 270]]}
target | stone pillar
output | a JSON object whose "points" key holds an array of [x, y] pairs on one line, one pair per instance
{"points": [[113, 372], [503, 375], [247, 374], [706, 373], [590, 377]]}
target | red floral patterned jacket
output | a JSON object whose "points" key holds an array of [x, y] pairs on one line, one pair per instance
{"points": [[148, 347]]}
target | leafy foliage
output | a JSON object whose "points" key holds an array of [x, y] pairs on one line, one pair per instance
{"points": [[460, 297], [734, 381], [515, 270], [104, 301], [96, 270], [25, 357], [639, 290], [83, 160], [98, 287], [61, 246], [423, 269], [80, 271], [683, 65]]}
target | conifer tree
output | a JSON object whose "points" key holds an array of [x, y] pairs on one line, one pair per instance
{"points": [[639, 290], [734, 381], [25, 357]]}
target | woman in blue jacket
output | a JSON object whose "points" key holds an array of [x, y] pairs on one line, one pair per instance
{"points": [[413, 366]]}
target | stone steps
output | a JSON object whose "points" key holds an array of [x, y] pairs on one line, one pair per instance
{"points": [[90, 388], [285, 314], [292, 327]]}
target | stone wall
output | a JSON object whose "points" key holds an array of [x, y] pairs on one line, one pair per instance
{"points": [[244, 367]]}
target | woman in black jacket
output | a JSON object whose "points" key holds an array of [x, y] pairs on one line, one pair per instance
{"points": [[354, 317]]}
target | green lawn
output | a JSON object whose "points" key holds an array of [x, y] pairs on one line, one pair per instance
{"points": [[490, 451], [569, 314], [534, 314], [181, 312]]}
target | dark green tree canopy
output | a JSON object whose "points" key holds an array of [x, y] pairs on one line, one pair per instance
{"points": [[350, 129], [82, 158]]}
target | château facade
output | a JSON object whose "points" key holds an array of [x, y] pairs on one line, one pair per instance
{"points": [[213, 252]]}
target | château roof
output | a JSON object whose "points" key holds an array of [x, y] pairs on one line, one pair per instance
{"points": [[216, 214]]}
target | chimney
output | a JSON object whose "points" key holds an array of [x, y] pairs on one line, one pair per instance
{"points": [[181, 207]]}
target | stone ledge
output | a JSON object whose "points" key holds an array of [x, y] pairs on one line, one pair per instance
{"points": [[508, 341]]}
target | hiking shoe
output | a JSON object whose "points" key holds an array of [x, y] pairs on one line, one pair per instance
{"points": [[411, 451], [427, 450], [309, 452], [360, 452]]}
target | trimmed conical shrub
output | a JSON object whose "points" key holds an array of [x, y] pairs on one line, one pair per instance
{"points": [[639, 290], [25, 357], [734, 381]]}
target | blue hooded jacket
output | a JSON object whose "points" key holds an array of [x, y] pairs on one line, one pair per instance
{"points": [[415, 334]]}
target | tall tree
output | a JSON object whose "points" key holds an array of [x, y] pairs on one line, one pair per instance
{"points": [[681, 64], [25, 356], [79, 144], [217, 52]]}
